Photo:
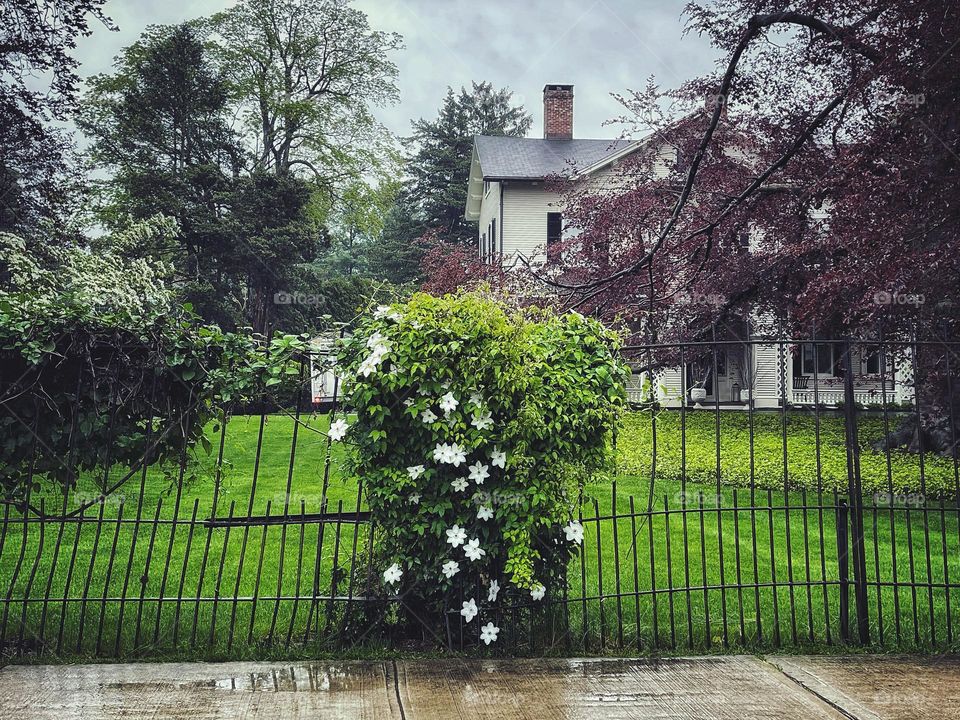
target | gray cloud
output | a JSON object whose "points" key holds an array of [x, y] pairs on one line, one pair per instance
{"points": [[601, 46]]}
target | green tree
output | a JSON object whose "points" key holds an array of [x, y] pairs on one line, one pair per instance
{"points": [[306, 73], [396, 254], [158, 124], [38, 86], [440, 163]]}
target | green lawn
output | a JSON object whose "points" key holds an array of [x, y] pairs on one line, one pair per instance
{"points": [[815, 456], [153, 573]]}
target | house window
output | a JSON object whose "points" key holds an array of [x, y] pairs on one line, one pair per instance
{"points": [[822, 361], [554, 232], [486, 187], [483, 246], [872, 363], [493, 237]]}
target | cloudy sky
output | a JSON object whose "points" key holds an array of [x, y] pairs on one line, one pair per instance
{"points": [[601, 47]]}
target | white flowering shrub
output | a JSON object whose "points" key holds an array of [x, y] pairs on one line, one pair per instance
{"points": [[100, 365], [474, 427]]}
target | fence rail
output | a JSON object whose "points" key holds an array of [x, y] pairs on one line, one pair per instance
{"points": [[772, 529]]}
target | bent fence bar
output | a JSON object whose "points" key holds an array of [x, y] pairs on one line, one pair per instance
{"points": [[761, 520]]}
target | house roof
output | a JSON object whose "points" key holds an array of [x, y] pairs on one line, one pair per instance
{"points": [[514, 158]]}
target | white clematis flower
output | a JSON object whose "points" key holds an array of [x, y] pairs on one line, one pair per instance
{"points": [[482, 421], [415, 499], [408, 402], [381, 311], [574, 532], [479, 472], [457, 455], [537, 592], [450, 454], [375, 340], [450, 568], [498, 458], [448, 403], [476, 399], [338, 429], [415, 471], [488, 633], [484, 513], [456, 536], [469, 610], [460, 484], [473, 551], [428, 416], [493, 591], [392, 574]]}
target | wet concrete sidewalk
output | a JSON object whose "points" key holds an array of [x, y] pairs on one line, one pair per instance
{"points": [[734, 687]]}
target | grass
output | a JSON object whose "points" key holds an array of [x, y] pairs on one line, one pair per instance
{"points": [[630, 589], [813, 454]]}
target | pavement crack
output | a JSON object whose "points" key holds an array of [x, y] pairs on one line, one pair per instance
{"points": [[822, 698], [396, 689]]}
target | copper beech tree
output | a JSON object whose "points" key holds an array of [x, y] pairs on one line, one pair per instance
{"points": [[814, 175]]}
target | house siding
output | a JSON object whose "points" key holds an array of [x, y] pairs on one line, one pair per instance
{"points": [[525, 208], [489, 211]]}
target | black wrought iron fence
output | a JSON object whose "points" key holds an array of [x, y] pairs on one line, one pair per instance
{"points": [[747, 515]]}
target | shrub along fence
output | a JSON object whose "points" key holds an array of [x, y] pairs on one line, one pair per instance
{"points": [[268, 551]]}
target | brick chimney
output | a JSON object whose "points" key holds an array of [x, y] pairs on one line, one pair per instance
{"points": [[558, 112]]}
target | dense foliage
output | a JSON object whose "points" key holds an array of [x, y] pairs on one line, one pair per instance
{"points": [[475, 425], [38, 86], [100, 367], [253, 129]]}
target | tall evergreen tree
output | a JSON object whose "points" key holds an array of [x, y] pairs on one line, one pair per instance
{"points": [[440, 163]]}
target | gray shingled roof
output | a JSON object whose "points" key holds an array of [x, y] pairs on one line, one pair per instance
{"points": [[513, 158]]}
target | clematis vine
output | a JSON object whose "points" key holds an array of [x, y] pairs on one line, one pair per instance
{"points": [[338, 430], [483, 420], [456, 536], [488, 633], [574, 532], [479, 472], [448, 403], [392, 574], [451, 454], [469, 610], [473, 551]]}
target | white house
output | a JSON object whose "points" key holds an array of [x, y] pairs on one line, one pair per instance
{"points": [[520, 215]]}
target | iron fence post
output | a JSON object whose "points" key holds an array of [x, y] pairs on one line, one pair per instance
{"points": [[855, 494], [842, 563]]}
